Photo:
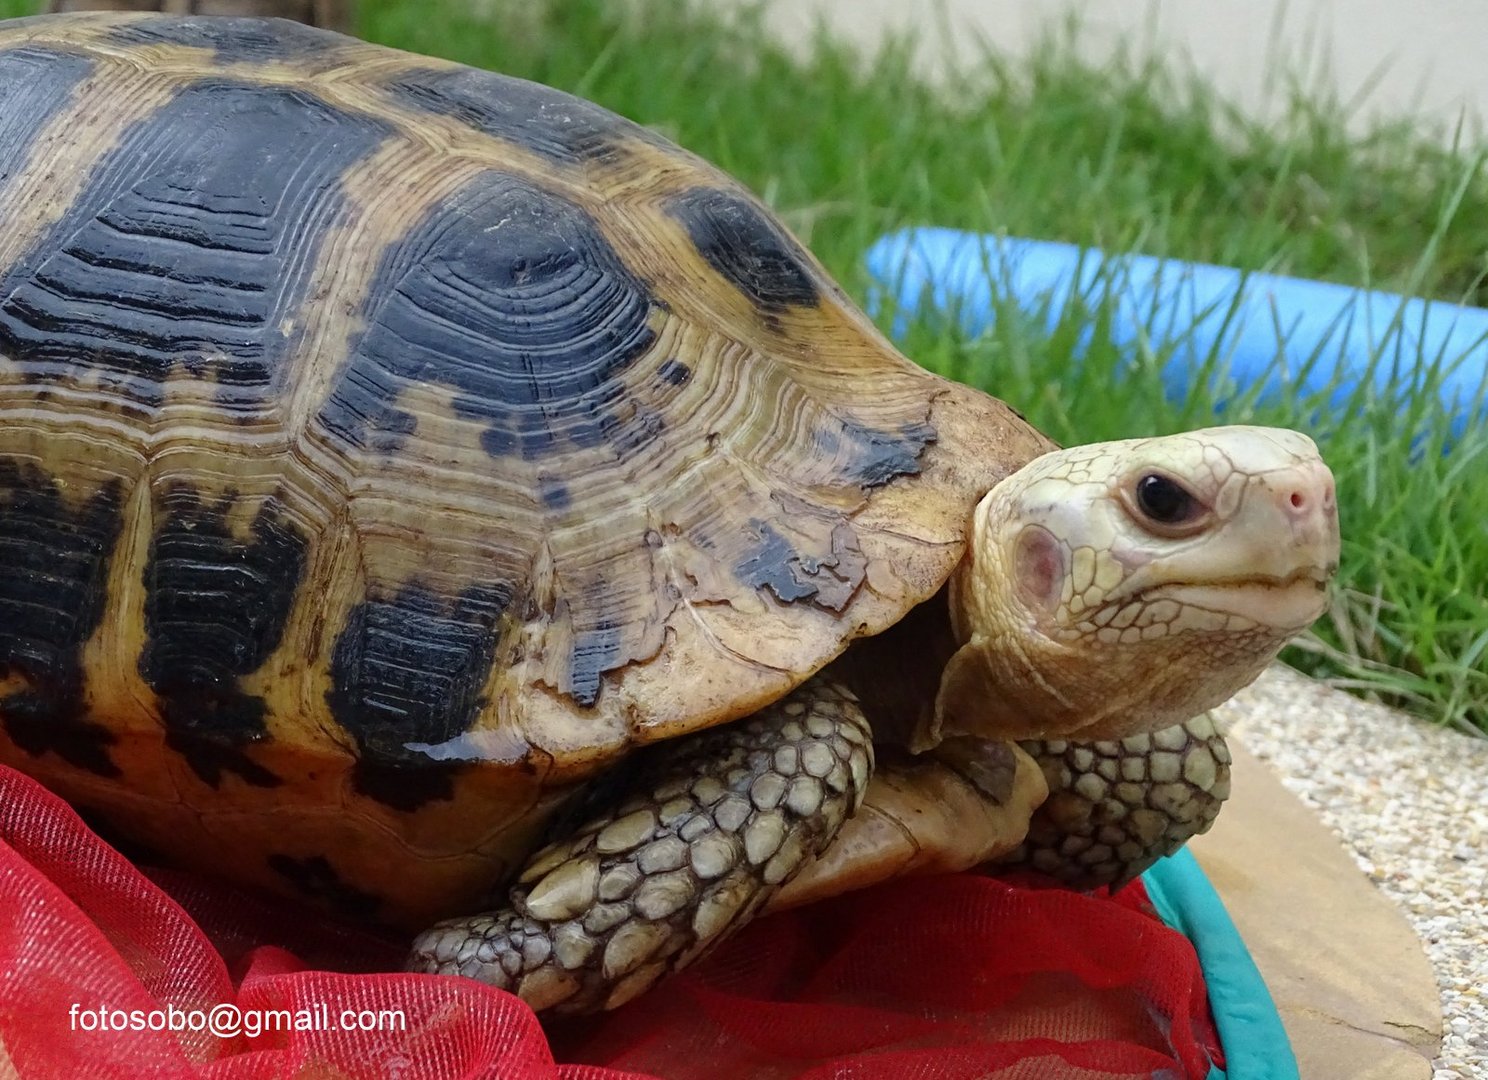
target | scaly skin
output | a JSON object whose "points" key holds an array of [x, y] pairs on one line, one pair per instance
{"points": [[1094, 625], [1115, 808], [1080, 617], [711, 827]]}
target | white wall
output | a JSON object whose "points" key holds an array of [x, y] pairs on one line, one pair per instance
{"points": [[1425, 58]]}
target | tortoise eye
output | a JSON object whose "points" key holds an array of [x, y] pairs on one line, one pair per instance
{"points": [[1165, 501]]}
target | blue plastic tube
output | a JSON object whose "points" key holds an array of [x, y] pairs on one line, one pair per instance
{"points": [[1265, 328]]}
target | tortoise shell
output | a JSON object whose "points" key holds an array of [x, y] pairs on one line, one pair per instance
{"points": [[331, 14], [386, 446]]}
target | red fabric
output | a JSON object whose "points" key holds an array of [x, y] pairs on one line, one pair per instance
{"points": [[952, 977]]}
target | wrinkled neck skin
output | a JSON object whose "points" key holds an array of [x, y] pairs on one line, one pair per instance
{"points": [[1076, 618]]}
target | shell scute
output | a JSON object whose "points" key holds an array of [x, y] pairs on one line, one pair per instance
{"points": [[187, 251], [749, 250], [215, 609], [35, 84], [546, 122], [407, 677], [231, 40], [510, 297], [55, 551]]}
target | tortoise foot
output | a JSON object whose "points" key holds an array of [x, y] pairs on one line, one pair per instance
{"points": [[706, 829], [1116, 807]]}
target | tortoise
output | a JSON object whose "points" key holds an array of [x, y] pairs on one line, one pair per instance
{"points": [[328, 14], [428, 493]]}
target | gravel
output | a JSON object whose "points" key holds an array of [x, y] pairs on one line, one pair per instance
{"points": [[1410, 801]]}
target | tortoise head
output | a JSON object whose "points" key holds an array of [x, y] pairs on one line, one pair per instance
{"points": [[1123, 587]]}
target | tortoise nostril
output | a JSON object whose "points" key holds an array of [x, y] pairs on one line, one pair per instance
{"points": [[1306, 495]]}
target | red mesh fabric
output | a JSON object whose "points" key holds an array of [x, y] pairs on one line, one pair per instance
{"points": [[951, 977]]}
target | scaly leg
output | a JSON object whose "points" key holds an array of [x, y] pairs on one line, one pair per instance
{"points": [[959, 806], [1115, 808], [706, 829]]}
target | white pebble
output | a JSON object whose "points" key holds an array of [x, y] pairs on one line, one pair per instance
{"points": [[1409, 801]]}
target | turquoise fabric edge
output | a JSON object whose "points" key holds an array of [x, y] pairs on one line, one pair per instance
{"points": [[1255, 1043]]}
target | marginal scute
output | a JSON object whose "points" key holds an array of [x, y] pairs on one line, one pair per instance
{"points": [[408, 671], [55, 553], [314, 877], [216, 607]]}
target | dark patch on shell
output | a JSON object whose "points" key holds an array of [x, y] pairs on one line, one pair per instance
{"points": [[828, 582], [215, 609], [234, 40], [409, 671], [406, 785], [315, 878], [54, 560], [212, 754], [34, 84], [548, 122], [880, 456], [674, 372], [189, 248], [769, 566], [636, 430], [596, 650], [745, 246], [509, 295]]}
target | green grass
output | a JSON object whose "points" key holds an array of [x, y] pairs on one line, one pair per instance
{"points": [[1127, 156]]}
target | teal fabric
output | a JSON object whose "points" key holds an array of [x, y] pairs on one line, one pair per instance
{"points": [[1255, 1043]]}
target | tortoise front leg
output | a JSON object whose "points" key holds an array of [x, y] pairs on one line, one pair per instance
{"points": [[963, 804], [705, 830], [1116, 807]]}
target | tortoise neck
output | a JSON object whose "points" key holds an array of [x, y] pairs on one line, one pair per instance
{"points": [[896, 674]]}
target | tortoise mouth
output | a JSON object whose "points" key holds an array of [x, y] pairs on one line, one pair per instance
{"points": [[1283, 605]]}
